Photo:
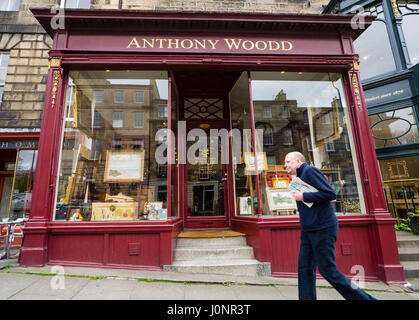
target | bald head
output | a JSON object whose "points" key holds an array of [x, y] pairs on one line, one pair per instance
{"points": [[293, 161], [297, 155]]}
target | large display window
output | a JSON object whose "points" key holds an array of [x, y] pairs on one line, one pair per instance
{"points": [[305, 112], [107, 166]]}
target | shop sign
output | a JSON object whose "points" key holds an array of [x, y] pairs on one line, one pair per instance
{"points": [[19, 144], [210, 44], [388, 93]]}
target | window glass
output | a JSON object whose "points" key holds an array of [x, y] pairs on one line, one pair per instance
{"points": [[22, 184], [375, 55], [81, 4], [246, 201], [410, 30], [394, 127], [9, 5], [4, 61], [316, 124], [109, 172], [401, 184]]}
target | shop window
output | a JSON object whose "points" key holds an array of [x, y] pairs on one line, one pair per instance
{"points": [[4, 61], [246, 203], [401, 184], [9, 5], [373, 46], [394, 128], [19, 187], [111, 175], [81, 4], [409, 10], [315, 126]]}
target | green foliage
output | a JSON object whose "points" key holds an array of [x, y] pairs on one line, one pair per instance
{"points": [[406, 224]]}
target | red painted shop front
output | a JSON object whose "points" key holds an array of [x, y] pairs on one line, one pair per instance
{"points": [[150, 127]]}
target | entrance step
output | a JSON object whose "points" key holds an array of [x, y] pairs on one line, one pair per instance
{"points": [[408, 245], [216, 252]]}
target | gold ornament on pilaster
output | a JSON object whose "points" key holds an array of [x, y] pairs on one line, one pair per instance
{"points": [[57, 74], [356, 90], [54, 62], [394, 4], [356, 65]]}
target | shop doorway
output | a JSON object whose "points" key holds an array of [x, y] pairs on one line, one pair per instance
{"points": [[206, 183], [206, 179]]}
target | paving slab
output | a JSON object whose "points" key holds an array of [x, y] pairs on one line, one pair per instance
{"points": [[106, 289], [48, 288], [12, 284], [209, 292], [249, 292], [158, 291]]}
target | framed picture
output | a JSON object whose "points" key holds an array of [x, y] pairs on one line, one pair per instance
{"points": [[280, 199], [124, 166], [245, 206], [153, 210], [249, 160], [326, 126]]}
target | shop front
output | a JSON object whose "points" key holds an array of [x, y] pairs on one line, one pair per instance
{"points": [[156, 123]]}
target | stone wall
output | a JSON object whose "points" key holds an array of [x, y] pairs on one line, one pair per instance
{"points": [[27, 44]]}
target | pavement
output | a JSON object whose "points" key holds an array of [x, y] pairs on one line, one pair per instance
{"points": [[76, 283]]}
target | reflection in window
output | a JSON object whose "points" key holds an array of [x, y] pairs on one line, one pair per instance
{"points": [[375, 54], [108, 171], [394, 128], [22, 184], [410, 12], [4, 61], [9, 5], [316, 126], [81, 4], [401, 184], [242, 149]]}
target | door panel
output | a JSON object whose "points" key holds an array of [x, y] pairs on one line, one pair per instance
{"points": [[206, 200]]}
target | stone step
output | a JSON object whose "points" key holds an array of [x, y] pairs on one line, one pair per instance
{"points": [[407, 239], [213, 252], [409, 254], [411, 269], [207, 242], [235, 267]]}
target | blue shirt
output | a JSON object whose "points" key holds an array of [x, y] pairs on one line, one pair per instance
{"points": [[321, 214]]}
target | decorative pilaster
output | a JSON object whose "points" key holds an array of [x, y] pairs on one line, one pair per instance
{"points": [[34, 250]]}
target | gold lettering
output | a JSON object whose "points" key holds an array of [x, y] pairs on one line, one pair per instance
{"points": [[289, 45], [182, 43], [232, 42], [134, 42], [202, 44], [273, 45], [265, 45], [170, 43], [252, 45], [150, 44], [161, 42], [213, 43]]}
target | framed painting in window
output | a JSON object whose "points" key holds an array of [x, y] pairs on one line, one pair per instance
{"points": [[124, 166]]}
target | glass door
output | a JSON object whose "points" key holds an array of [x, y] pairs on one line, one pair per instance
{"points": [[205, 178]]}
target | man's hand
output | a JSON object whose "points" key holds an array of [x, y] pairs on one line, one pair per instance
{"points": [[298, 195]]}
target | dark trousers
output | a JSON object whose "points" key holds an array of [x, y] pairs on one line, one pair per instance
{"points": [[317, 249]]}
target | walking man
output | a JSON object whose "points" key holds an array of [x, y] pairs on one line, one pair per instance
{"points": [[319, 229]]}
